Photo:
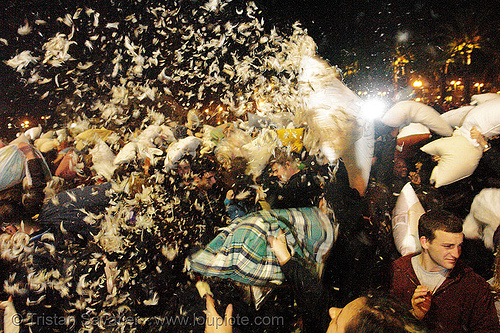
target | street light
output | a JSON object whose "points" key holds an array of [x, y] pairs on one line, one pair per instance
{"points": [[455, 84], [418, 86], [478, 86]]}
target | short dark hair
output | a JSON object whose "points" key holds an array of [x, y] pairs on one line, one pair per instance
{"points": [[204, 164], [383, 313], [434, 220], [282, 156]]}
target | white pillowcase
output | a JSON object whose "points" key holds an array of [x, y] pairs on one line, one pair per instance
{"points": [[483, 98], [484, 217], [458, 158], [405, 218], [406, 112], [455, 117], [485, 117], [413, 129]]}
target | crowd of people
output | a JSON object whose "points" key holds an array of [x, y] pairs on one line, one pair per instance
{"points": [[88, 239], [131, 213]]}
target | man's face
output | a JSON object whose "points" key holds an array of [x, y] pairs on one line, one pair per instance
{"points": [[283, 171], [183, 168], [400, 168], [207, 181], [443, 251]]}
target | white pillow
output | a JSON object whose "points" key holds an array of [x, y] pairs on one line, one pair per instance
{"points": [[485, 117], [406, 112], [484, 217], [413, 129], [405, 218], [483, 98], [456, 117], [458, 158]]}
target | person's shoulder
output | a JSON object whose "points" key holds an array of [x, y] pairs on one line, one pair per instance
{"points": [[403, 263], [466, 272], [406, 258]]}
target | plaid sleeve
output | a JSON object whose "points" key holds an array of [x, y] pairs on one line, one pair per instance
{"points": [[241, 252]]}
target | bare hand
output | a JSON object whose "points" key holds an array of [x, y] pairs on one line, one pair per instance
{"points": [[279, 247], [476, 135], [215, 323], [421, 301]]}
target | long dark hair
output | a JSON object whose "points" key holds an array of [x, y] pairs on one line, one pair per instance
{"points": [[384, 314]]}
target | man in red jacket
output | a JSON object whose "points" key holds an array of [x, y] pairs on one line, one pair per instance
{"points": [[442, 290]]}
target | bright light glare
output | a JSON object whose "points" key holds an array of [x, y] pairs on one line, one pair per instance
{"points": [[373, 109]]}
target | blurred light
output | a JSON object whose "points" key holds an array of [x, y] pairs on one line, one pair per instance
{"points": [[417, 84], [402, 36], [373, 109]]}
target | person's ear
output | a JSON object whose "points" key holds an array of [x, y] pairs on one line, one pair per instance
{"points": [[334, 312], [424, 242]]}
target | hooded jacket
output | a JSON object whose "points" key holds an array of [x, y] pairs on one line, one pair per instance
{"points": [[463, 302]]}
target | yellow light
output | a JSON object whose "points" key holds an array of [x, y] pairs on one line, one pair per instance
{"points": [[452, 82], [417, 84]]}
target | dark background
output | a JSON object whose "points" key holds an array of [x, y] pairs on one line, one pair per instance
{"points": [[361, 34]]}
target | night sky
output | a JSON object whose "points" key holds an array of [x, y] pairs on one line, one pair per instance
{"points": [[345, 31]]}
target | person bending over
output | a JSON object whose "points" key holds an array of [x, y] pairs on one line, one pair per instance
{"points": [[370, 313]]}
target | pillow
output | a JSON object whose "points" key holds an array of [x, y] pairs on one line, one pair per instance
{"points": [[46, 145], [456, 117], [410, 138], [484, 217], [67, 169], [406, 112], [12, 162], [405, 218], [413, 129], [257, 121], [485, 117], [458, 158], [483, 98], [291, 137]]}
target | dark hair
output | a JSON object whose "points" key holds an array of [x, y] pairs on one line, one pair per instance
{"points": [[438, 220], [282, 156], [203, 164], [383, 313]]}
